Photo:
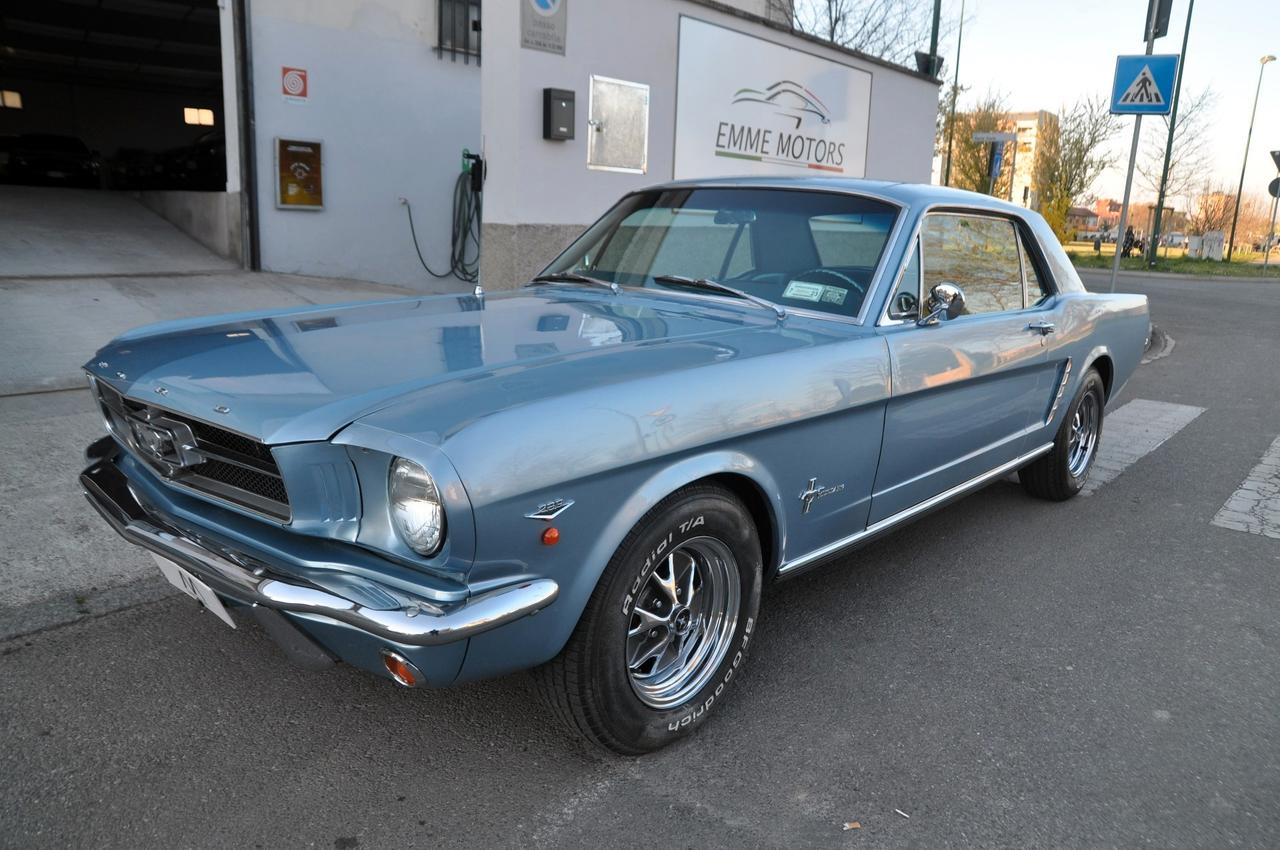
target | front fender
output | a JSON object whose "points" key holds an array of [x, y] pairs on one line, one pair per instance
{"points": [[590, 533]]}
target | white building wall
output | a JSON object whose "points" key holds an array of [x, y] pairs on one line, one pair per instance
{"points": [[393, 119], [540, 193]]}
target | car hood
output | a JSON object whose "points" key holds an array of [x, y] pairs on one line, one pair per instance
{"points": [[301, 375]]}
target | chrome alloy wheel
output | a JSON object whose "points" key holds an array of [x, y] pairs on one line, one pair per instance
{"points": [[683, 622], [1084, 435]]}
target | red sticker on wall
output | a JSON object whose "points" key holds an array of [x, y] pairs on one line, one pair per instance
{"points": [[293, 83]]}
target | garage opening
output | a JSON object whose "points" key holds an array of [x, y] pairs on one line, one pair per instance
{"points": [[121, 100]]}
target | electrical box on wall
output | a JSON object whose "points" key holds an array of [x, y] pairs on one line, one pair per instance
{"points": [[557, 114]]}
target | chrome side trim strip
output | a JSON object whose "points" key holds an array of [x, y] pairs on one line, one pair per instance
{"points": [[891, 522], [1062, 387], [422, 623]]}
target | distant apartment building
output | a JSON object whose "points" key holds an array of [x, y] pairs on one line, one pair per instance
{"points": [[1031, 128], [1108, 213]]}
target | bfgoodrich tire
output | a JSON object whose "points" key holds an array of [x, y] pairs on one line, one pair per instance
{"points": [[1062, 472], [666, 630]]}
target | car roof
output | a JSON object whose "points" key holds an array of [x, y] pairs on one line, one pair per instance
{"points": [[906, 194]]}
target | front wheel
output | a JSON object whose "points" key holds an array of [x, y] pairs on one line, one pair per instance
{"points": [[1062, 472], [667, 627]]}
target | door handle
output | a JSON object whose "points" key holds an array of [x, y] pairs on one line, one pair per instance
{"points": [[1042, 328]]}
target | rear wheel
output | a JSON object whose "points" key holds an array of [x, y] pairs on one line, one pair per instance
{"points": [[667, 627], [1062, 472]]}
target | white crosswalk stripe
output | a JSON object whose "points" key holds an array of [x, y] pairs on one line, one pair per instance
{"points": [[1255, 507], [1133, 431]]}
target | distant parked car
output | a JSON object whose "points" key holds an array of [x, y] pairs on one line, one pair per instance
{"points": [[134, 168], [6, 151], [47, 159], [719, 384], [201, 165]]}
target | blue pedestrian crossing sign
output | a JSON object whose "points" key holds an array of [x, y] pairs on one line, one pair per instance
{"points": [[1144, 84]]}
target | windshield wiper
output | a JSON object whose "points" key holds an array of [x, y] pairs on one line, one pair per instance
{"points": [[574, 277], [717, 286]]}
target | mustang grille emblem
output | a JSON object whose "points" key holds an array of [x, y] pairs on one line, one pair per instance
{"points": [[157, 442], [816, 491]]}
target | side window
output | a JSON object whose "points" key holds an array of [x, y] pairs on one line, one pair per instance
{"points": [[978, 253], [905, 303], [1037, 290]]}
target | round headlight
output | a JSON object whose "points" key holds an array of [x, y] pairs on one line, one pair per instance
{"points": [[415, 507]]}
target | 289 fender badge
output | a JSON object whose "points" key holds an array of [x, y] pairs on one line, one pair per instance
{"points": [[548, 511], [815, 491]]}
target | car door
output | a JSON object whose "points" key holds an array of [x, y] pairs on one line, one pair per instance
{"points": [[966, 391]]}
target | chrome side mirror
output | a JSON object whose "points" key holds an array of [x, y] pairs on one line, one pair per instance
{"points": [[945, 300]]}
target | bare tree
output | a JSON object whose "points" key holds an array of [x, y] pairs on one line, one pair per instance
{"points": [[1069, 161], [1211, 208], [889, 29], [970, 159], [1190, 158]]}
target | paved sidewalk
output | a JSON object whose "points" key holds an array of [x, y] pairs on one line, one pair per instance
{"points": [[49, 328]]}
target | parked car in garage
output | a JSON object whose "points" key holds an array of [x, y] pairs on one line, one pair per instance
{"points": [[200, 166], [720, 383], [46, 159], [6, 152]]}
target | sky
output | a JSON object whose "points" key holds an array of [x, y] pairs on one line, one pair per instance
{"points": [[1041, 54]]}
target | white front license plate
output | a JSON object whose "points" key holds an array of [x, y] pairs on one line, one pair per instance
{"points": [[193, 587]]}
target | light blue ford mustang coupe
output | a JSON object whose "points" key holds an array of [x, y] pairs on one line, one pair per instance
{"points": [[719, 384]]}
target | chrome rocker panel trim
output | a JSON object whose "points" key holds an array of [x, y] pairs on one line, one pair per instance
{"points": [[427, 624], [889, 523]]}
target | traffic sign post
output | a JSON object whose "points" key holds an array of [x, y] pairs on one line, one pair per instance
{"points": [[1274, 188], [995, 157], [1143, 85]]}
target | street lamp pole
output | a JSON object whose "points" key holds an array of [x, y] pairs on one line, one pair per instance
{"points": [[955, 95], [1235, 217]]}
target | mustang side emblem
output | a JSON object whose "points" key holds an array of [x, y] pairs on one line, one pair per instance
{"points": [[548, 511], [814, 492]]}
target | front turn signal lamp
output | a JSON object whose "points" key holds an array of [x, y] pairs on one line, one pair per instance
{"points": [[416, 509]]}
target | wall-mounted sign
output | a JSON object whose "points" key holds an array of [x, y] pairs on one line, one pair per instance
{"points": [[293, 84], [543, 24], [299, 184], [745, 105]]}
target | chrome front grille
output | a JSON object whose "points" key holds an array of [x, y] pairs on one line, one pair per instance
{"points": [[223, 464]]}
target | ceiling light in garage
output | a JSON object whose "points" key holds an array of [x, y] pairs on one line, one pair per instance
{"points": [[13, 99], [192, 115]]}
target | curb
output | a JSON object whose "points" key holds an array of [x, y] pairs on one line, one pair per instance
{"points": [[1106, 275]]}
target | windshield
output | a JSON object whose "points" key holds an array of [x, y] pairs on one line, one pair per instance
{"points": [[805, 249]]}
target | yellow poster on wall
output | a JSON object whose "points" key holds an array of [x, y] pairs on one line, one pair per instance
{"points": [[299, 183]]}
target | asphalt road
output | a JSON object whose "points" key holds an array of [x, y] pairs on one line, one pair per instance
{"points": [[1007, 673]]}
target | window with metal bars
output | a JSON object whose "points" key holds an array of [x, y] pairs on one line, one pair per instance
{"points": [[458, 30]]}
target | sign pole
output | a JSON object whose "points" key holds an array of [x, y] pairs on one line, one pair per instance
{"points": [[1275, 204], [1133, 157], [1168, 148]]}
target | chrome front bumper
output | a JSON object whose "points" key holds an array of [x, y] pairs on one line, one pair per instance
{"points": [[423, 624]]}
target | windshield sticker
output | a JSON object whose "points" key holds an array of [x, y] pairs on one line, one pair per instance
{"points": [[819, 293], [803, 291]]}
